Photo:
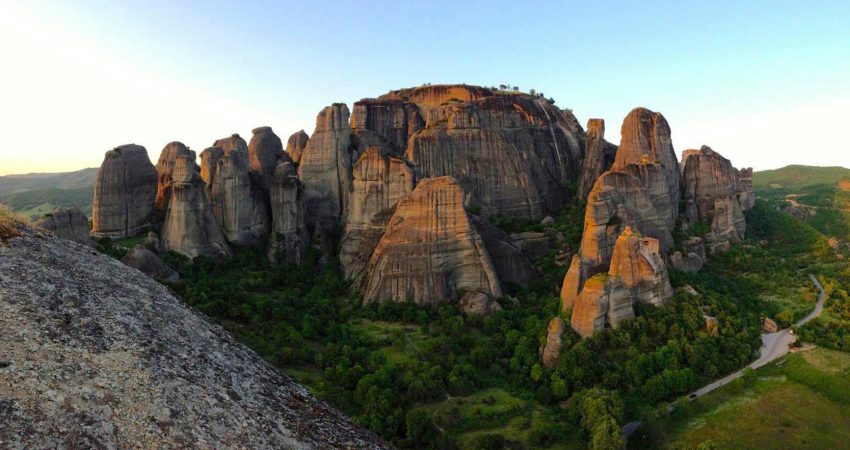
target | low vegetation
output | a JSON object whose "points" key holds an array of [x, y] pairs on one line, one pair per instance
{"points": [[9, 221]]}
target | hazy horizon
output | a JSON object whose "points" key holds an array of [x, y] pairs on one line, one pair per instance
{"points": [[766, 85]]}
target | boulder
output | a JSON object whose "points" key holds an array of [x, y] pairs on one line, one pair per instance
{"points": [[430, 251], [147, 262], [711, 325], [475, 303], [598, 156], [716, 248], [686, 263], [164, 167], [124, 193], [190, 227], [238, 204], [325, 168], [769, 326], [645, 138], [152, 242], [265, 151], [295, 146], [379, 181], [289, 237], [554, 342], [67, 223]]}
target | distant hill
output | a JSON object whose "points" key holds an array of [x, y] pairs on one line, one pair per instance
{"points": [[795, 176], [35, 194], [10, 184]]}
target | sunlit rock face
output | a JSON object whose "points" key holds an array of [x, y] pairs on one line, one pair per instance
{"points": [[164, 168], [289, 237], [265, 151], [239, 206], [124, 193], [379, 182], [637, 274], [190, 227], [296, 144], [645, 138], [554, 342], [514, 154], [430, 251]]}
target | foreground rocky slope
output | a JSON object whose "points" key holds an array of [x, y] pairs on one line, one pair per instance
{"points": [[94, 354]]}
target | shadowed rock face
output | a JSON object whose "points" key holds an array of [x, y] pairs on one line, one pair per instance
{"points": [[554, 342], [430, 251], [128, 365], [67, 223], [296, 144], [239, 205], [598, 156], [124, 193], [512, 153], [190, 227], [325, 167], [147, 262], [289, 238], [637, 274], [379, 182], [712, 193], [164, 167], [264, 152]]}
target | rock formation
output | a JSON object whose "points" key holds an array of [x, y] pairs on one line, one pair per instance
{"points": [[769, 326], [289, 239], [296, 144], [637, 273], [711, 194], [430, 251], [598, 156], [96, 355], [264, 152], [692, 256], [147, 262], [379, 181], [124, 193], [68, 223], [512, 153], [325, 167], [745, 188], [645, 138], [189, 226], [164, 167], [209, 159], [239, 206], [475, 303], [554, 342]]}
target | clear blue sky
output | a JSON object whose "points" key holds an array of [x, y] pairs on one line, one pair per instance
{"points": [[722, 72]]}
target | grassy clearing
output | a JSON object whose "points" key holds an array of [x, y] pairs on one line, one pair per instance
{"points": [[803, 402], [401, 340]]}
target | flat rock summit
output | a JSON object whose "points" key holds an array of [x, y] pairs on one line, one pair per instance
{"points": [[94, 354]]}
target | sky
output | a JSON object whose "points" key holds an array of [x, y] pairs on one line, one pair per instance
{"points": [[764, 83]]}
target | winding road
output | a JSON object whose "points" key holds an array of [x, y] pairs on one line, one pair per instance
{"points": [[774, 345]]}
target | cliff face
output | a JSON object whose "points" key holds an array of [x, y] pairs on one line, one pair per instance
{"points": [[68, 223], [239, 206], [598, 156], [296, 144], [124, 193], [164, 168], [325, 167], [430, 251], [380, 181], [289, 239], [512, 153], [97, 355], [190, 227], [713, 195]]}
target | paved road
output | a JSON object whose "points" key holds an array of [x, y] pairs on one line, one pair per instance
{"points": [[774, 345]]}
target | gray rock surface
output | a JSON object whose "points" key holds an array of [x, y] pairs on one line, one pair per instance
{"points": [[147, 262], [124, 193], [96, 355], [67, 223]]}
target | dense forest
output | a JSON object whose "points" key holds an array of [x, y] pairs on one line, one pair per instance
{"points": [[431, 377]]}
